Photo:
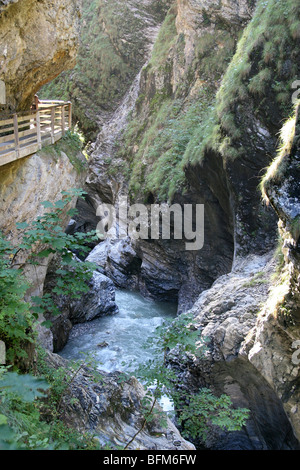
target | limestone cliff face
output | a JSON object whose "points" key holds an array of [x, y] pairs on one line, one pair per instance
{"points": [[115, 39], [24, 185], [197, 18], [278, 360], [251, 317], [38, 40]]}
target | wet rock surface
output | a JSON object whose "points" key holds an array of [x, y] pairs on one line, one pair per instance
{"points": [[277, 360]]}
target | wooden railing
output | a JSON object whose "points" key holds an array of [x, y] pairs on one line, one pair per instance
{"points": [[21, 136]]}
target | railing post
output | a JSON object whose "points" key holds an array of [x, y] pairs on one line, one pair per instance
{"points": [[63, 122], [52, 124], [70, 114], [38, 130], [16, 135]]}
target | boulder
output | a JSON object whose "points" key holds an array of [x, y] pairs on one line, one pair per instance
{"points": [[98, 301]]}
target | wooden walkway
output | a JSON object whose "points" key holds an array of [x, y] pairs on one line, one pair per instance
{"points": [[21, 136]]}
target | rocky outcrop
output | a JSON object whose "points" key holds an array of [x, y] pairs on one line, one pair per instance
{"points": [[251, 317], [98, 301], [119, 261], [110, 408], [38, 41], [157, 269], [246, 355], [196, 18], [273, 345]]}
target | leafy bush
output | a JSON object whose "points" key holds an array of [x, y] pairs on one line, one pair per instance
{"points": [[30, 417], [16, 321], [42, 238], [20, 426], [45, 237]]}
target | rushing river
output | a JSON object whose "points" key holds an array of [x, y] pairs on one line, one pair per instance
{"points": [[114, 341]]}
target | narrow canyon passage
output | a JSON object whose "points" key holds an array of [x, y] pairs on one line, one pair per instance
{"points": [[116, 340]]}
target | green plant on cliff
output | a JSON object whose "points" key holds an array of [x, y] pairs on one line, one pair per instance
{"points": [[39, 240], [196, 412], [259, 77], [165, 39], [158, 163], [25, 422], [72, 144], [20, 425], [45, 237], [170, 128], [15, 318], [30, 414], [277, 168]]}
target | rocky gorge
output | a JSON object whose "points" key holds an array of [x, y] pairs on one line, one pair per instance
{"points": [[182, 103]]}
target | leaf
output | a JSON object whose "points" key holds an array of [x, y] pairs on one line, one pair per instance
{"points": [[45, 253], [60, 204], [47, 204], [7, 438], [58, 244], [3, 420], [26, 386], [22, 225], [47, 324]]}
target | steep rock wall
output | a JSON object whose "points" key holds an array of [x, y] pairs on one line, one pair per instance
{"points": [[39, 39], [251, 317], [25, 184], [110, 55], [278, 360]]}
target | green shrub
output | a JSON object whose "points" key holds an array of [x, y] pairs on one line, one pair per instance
{"points": [[16, 321]]}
